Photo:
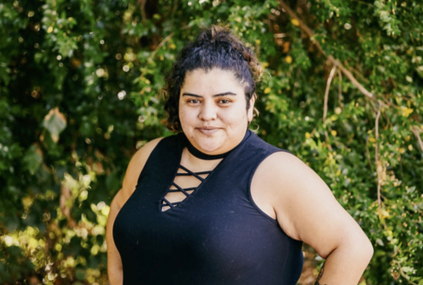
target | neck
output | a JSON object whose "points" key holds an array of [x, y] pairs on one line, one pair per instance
{"points": [[201, 155]]}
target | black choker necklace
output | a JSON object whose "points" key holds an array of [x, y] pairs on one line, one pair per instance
{"points": [[201, 155]]}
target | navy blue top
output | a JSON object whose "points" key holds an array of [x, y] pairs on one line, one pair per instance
{"points": [[217, 235]]}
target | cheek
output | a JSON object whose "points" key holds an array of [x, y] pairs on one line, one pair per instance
{"points": [[184, 116], [236, 118]]}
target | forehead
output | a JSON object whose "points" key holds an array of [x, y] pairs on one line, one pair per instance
{"points": [[214, 80]]}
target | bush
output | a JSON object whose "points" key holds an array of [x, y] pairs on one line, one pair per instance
{"points": [[80, 85]]}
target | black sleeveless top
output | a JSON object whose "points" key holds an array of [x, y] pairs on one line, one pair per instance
{"points": [[217, 235]]}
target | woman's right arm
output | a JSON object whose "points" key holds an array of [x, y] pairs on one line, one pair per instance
{"points": [[114, 262]]}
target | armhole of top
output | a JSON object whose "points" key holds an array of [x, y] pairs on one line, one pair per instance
{"points": [[250, 180], [148, 157]]}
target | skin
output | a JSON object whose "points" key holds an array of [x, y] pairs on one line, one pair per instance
{"points": [[214, 117], [212, 110], [293, 194], [114, 262]]}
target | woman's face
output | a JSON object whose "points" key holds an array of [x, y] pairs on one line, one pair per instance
{"points": [[213, 110]]}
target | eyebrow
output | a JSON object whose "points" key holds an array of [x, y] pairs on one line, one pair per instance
{"points": [[215, 95]]}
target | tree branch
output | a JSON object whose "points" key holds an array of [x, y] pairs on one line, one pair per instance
{"points": [[150, 58], [417, 132], [403, 273], [142, 8], [334, 61], [328, 83], [378, 163], [351, 77], [340, 87]]}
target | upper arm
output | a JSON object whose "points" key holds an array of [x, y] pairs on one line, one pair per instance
{"points": [[305, 206], [114, 262], [133, 171]]}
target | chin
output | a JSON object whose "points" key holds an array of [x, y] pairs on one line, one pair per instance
{"points": [[209, 149]]}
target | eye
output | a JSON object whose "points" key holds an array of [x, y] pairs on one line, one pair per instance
{"points": [[193, 101], [224, 101]]}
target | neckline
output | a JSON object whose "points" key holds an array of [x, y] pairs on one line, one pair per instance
{"points": [[201, 155]]}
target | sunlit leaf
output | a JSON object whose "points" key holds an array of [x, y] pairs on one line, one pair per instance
{"points": [[55, 123]]}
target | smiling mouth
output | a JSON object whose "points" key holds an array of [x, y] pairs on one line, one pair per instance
{"points": [[207, 130]]}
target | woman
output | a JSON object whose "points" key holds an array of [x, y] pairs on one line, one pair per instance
{"points": [[215, 204]]}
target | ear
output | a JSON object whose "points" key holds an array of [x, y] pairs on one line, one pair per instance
{"points": [[250, 111]]}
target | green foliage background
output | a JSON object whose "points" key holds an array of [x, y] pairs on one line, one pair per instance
{"points": [[80, 85]]}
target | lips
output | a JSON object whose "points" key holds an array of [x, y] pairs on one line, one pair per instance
{"points": [[208, 130]]}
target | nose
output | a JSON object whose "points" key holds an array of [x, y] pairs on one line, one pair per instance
{"points": [[207, 112]]}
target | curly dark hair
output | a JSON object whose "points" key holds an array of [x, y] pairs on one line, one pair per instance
{"points": [[214, 47]]}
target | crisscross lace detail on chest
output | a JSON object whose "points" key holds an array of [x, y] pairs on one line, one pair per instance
{"points": [[183, 185]]}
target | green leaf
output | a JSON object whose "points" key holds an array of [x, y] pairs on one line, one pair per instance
{"points": [[408, 269], [32, 159], [80, 274]]}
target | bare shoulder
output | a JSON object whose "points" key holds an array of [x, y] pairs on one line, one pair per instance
{"points": [[294, 182], [295, 192], [135, 167], [276, 183], [304, 206], [282, 159]]}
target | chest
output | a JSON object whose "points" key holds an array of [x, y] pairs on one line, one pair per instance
{"points": [[215, 229], [215, 235]]}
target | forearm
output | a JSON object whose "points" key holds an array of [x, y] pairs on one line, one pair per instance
{"points": [[346, 264]]}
